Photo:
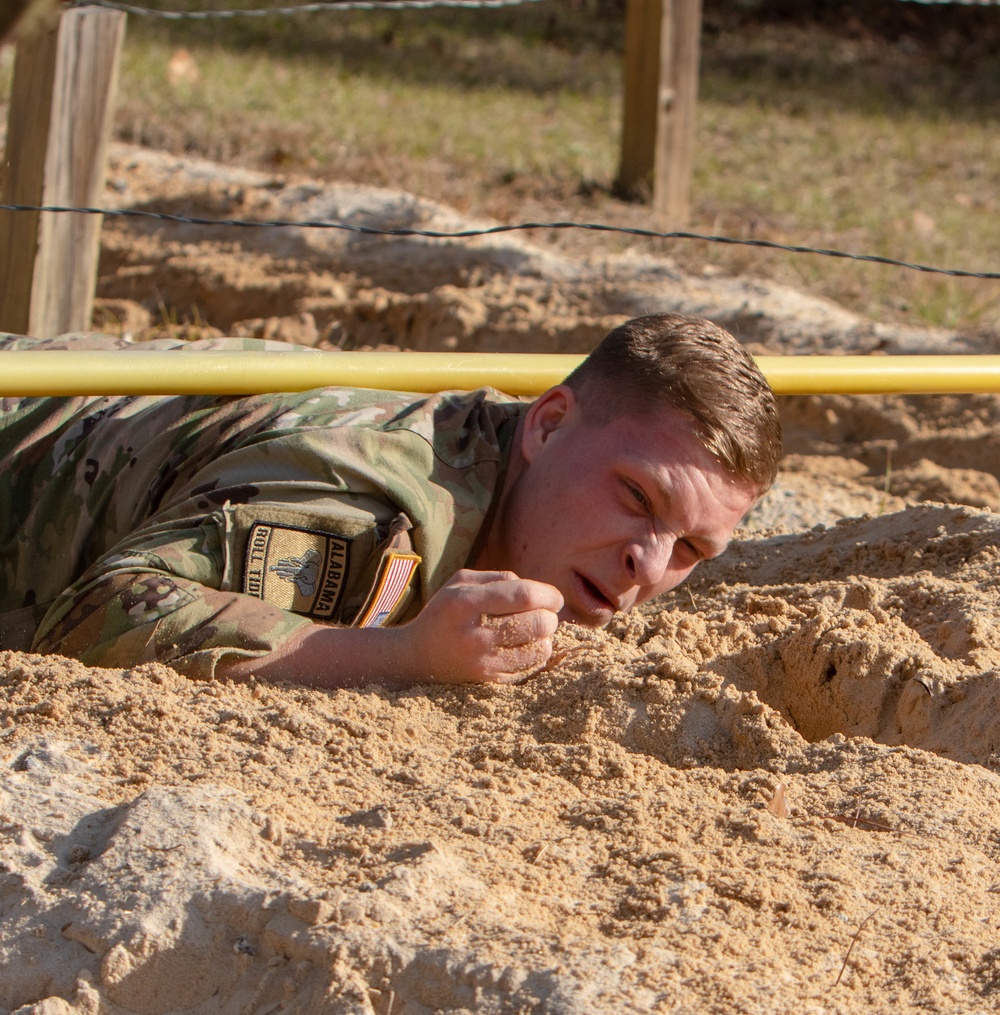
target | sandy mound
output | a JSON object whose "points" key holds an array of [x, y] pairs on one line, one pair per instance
{"points": [[332, 287], [775, 790]]}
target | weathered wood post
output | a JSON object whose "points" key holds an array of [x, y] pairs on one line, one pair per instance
{"points": [[61, 109], [20, 15], [662, 39]]}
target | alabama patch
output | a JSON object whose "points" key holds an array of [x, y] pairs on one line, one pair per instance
{"points": [[397, 572], [297, 569]]}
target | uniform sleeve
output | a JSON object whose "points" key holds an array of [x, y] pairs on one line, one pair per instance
{"points": [[249, 519], [160, 601], [235, 585]]}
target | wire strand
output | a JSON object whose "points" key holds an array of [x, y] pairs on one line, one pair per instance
{"points": [[959, 3], [371, 5], [493, 230], [347, 5]]}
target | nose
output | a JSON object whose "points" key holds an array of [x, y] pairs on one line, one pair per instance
{"points": [[646, 561]]}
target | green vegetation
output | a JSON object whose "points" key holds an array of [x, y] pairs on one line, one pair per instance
{"points": [[830, 133]]}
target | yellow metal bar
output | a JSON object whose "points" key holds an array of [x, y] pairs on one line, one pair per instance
{"points": [[154, 372], [881, 375]]}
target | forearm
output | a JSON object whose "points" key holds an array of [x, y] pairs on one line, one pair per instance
{"points": [[480, 627], [330, 657], [129, 618], [207, 633]]}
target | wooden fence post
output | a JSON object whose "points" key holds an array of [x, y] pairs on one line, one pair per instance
{"points": [[662, 40], [61, 109], [20, 15]]}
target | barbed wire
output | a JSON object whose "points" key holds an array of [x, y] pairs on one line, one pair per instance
{"points": [[372, 5], [459, 234], [346, 5], [959, 3]]}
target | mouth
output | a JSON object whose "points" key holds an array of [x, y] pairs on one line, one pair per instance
{"points": [[596, 607]]}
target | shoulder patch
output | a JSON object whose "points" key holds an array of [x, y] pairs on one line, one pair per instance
{"points": [[393, 583], [301, 570]]}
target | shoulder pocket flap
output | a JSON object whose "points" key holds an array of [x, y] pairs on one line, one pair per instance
{"points": [[337, 569], [297, 559]]}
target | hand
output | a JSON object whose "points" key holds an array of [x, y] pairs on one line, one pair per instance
{"points": [[481, 627]]}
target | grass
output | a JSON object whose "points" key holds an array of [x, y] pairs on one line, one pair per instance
{"points": [[306, 116], [828, 133]]}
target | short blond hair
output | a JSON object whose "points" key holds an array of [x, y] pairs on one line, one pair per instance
{"points": [[693, 365]]}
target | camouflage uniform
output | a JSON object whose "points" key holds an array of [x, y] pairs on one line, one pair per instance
{"points": [[191, 529]]}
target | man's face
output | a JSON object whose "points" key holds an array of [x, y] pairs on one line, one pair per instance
{"points": [[614, 514]]}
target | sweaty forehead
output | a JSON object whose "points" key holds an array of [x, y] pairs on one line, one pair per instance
{"points": [[661, 440], [671, 437]]}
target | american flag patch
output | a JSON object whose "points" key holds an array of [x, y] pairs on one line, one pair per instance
{"points": [[397, 572]]}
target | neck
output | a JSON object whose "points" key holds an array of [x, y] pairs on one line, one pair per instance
{"points": [[491, 555]]}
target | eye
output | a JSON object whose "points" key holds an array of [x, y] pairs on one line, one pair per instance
{"points": [[688, 554], [638, 496]]}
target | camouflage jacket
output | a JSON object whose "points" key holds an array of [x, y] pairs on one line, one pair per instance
{"points": [[188, 529]]}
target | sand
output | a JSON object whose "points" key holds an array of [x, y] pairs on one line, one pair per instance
{"points": [[775, 790]]}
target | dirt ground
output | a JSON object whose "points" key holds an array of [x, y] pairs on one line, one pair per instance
{"points": [[775, 790]]}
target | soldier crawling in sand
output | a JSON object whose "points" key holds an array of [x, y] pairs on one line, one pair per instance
{"points": [[340, 537]]}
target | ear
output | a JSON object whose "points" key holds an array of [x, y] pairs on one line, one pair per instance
{"points": [[548, 413]]}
